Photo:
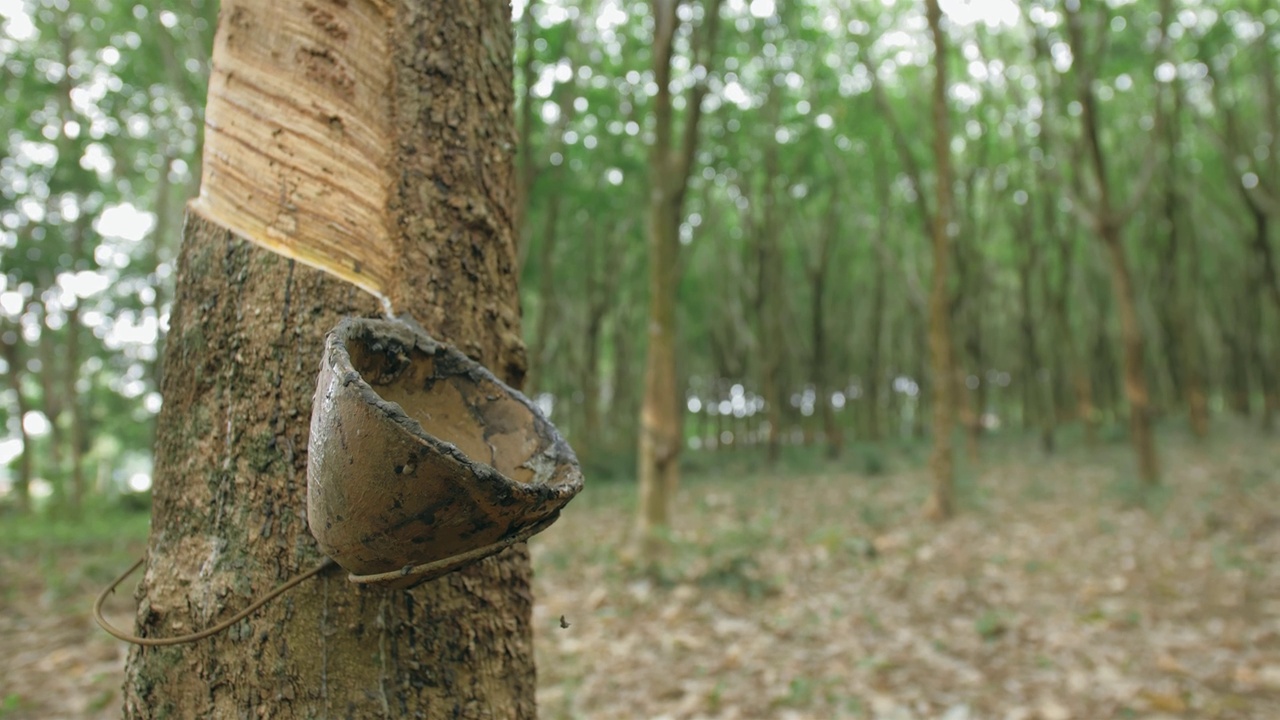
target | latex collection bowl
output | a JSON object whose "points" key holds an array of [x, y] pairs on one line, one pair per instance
{"points": [[421, 461]]}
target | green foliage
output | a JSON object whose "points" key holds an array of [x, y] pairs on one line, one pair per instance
{"points": [[11, 703], [102, 120]]}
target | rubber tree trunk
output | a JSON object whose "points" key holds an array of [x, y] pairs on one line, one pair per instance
{"points": [[11, 351], [244, 346], [1263, 279], [821, 366], [1108, 227], [661, 422], [769, 289], [872, 393], [660, 426], [941, 502], [70, 384]]}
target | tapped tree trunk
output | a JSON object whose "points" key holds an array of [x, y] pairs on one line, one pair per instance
{"points": [[941, 502], [245, 342]]}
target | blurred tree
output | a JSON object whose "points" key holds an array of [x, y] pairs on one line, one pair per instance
{"points": [[661, 426], [941, 502]]}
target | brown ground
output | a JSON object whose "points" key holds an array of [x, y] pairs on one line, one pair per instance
{"points": [[1052, 596]]}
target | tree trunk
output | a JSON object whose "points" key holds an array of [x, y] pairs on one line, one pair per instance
{"points": [[1037, 390], [1263, 279], [661, 430], [540, 352], [246, 334], [53, 401], [11, 349], [1135, 383], [70, 379], [874, 383], [821, 367], [769, 288], [941, 503], [597, 296], [1108, 223]]}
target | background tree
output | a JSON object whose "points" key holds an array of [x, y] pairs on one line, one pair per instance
{"points": [[940, 504], [661, 426]]}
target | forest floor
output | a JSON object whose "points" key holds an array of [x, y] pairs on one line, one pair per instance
{"points": [[1059, 592]]}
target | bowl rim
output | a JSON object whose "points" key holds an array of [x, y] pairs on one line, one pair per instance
{"points": [[564, 481]]}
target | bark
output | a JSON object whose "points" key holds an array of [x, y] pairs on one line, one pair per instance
{"points": [[597, 306], [964, 311], [1189, 378], [820, 368], [873, 390], [941, 502], [71, 375], [52, 403], [540, 352], [1108, 225], [1261, 280], [1038, 392], [769, 290], [240, 370], [661, 434]]}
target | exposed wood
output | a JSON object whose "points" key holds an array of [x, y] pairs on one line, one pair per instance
{"points": [[301, 162]]}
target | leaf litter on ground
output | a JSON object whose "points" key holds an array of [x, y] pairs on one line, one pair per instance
{"points": [[1059, 592]]}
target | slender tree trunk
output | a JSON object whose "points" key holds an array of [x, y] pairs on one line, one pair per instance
{"points": [[768, 295], [660, 414], [874, 383], [70, 381], [1135, 384], [624, 404], [52, 403], [821, 367], [1237, 344], [1108, 226], [11, 347], [539, 354], [941, 502], [661, 429], [1189, 379], [596, 307], [1037, 390], [922, 373], [1263, 280], [231, 452]]}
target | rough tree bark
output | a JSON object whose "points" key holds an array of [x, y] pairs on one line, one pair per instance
{"points": [[240, 370]]}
